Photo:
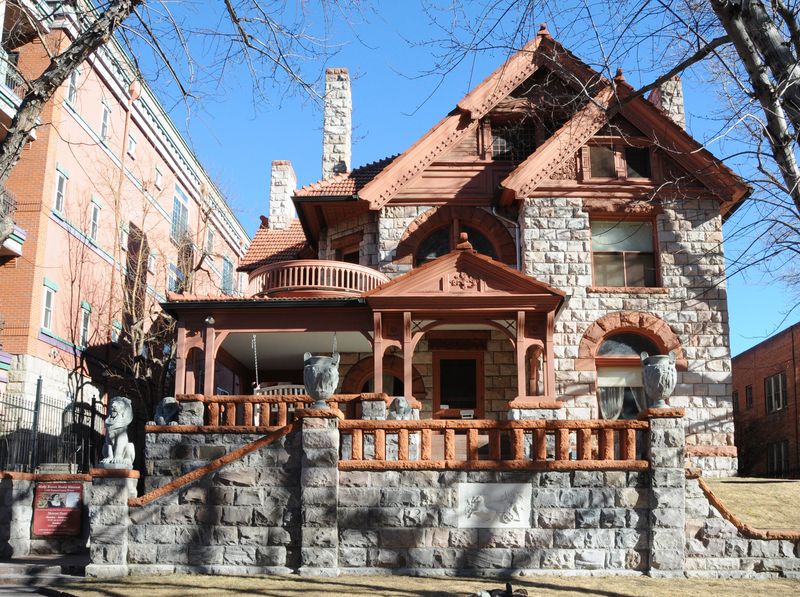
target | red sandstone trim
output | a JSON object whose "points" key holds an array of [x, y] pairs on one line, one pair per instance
{"points": [[662, 413], [488, 424], [745, 529], [520, 402], [257, 399], [491, 465], [210, 429], [114, 473], [17, 476], [626, 290], [711, 451], [212, 466]]}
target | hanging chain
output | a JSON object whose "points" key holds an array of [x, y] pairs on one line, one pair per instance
{"points": [[255, 357]]}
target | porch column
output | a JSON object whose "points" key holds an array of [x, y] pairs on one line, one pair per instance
{"points": [[549, 359], [408, 357], [180, 359], [209, 351], [377, 354], [521, 345]]}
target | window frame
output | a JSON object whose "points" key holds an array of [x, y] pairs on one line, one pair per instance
{"points": [[86, 322], [775, 401], [175, 279], [105, 121], [130, 147], [226, 282], [152, 262], [60, 192], [618, 361], [735, 401], [94, 220], [159, 179], [748, 397], [651, 219], [48, 312], [179, 226], [778, 458], [618, 146], [72, 87]]}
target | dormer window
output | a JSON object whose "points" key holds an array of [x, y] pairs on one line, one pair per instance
{"points": [[513, 141], [617, 161]]}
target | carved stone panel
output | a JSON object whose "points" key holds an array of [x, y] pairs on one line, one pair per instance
{"points": [[494, 505]]}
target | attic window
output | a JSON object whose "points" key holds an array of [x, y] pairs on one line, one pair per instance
{"points": [[638, 161], [601, 158], [615, 160], [513, 142]]}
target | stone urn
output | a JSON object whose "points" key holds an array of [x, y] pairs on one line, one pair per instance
{"points": [[660, 377], [320, 377]]}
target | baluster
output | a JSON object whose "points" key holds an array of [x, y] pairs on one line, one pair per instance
{"points": [[449, 444], [627, 444], [472, 444], [282, 414], [494, 444], [540, 444], [425, 445], [562, 444], [402, 444], [606, 444], [248, 413], [518, 445], [357, 444], [584, 444], [213, 413], [230, 414], [380, 444]]}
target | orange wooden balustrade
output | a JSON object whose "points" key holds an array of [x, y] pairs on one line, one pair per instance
{"points": [[493, 445], [315, 276], [227, 411]]}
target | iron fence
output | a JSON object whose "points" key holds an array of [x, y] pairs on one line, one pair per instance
{"points": [[46, 430]]}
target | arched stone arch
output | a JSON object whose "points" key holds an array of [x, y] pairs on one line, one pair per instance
{"points": [[363, 370], [474, 217], [650, 326]]}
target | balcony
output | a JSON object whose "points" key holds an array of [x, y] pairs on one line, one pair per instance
{"points": [[312, 277]]}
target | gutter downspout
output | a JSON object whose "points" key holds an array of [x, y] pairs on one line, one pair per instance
{"points": [[516, 234]]}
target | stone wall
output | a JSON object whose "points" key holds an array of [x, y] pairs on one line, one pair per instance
{"points": [[556, 239], [407, 522], [57, 382], [366, 225]]}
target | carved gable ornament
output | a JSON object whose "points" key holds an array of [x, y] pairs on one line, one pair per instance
{"points": [[464, 277]]}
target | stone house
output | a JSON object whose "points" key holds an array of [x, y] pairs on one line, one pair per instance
{"points": [[512, 263]]}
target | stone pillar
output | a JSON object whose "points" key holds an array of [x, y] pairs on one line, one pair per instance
{"points": [[337, 122], [282, 185], [16, 514], [319, 493], [109, 521], [667, 491]]}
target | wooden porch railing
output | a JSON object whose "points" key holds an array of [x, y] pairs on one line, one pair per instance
{"points": [[315, 276], [491, 445], [264, 410]]}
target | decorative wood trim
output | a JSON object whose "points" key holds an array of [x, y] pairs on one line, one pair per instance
{"points": [[492, 465], [418, 425]]}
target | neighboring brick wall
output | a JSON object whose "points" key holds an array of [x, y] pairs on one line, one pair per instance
{"points": [[755, 427], [407, 521], [556, 239]]}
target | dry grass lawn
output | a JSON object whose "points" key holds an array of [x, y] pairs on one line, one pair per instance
{"points": [[761, 503], [401, 586]]}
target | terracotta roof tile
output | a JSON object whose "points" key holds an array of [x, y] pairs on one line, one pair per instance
{"points": [[173, 297], [271, 246], [345, 184]]}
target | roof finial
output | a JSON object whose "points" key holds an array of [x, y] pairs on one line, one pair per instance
{"points": [[463, 242], [543, 30], [619, 77]]}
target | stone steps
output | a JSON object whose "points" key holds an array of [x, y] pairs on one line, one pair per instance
{"points": [[44, 571]]}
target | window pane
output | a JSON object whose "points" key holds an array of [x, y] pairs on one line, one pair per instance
{"points": [[436, 245], [602, 161], [513, 142], [640, 269], [638, 160], [608, 269], [622, 236], [626, 345], [479, 242]]}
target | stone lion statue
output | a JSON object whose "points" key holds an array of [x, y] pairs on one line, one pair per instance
{"points": [[118, 452], [167, 411], [400, 410]]}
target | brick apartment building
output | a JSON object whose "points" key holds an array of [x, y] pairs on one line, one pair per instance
{"points": [[765, 406], [112, 210]]}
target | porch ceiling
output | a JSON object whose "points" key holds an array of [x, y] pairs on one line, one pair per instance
{"points": [[284, 350]]}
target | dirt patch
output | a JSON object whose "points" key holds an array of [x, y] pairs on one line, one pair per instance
{"points": [[395, 586], [761, 503]]}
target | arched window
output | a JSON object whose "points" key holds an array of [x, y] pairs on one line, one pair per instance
{"points": [[620, 392], [443, 240]]}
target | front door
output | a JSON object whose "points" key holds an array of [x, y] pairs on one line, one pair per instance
{"points": [[458, 384]]}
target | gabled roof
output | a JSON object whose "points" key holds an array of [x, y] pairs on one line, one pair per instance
{"points": [[465, 278], [271, 246], [345, 184]]}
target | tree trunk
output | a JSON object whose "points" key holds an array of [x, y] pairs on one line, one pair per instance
{"points": [[42, 89]]}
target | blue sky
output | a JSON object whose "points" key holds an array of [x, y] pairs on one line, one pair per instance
{"points": [[237, 136]]}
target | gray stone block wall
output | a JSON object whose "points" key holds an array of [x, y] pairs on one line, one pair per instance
{"points": [[16, 515], [407, 521], [715, 548], [556, 250]]}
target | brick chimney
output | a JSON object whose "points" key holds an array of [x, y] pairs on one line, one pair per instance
{"points": [[669, 98], [337, 123], [281, 188]]}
